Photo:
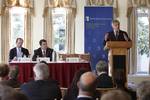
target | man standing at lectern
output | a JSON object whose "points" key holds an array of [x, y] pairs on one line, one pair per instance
{"points": [[119, 61], [116, 34]]}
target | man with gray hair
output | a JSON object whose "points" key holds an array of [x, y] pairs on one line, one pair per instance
{"points": [[103, 80], [87, 86], [42, 88]]}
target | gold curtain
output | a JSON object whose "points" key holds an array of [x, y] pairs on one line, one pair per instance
{"points": [[70, 5], [131, 14], [5, 34], [113, 3], [132, 32], [136, 3], [48, 27], [5, 5]]}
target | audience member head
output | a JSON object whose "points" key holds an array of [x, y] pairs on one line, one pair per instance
{"points": [[8, 93], [19, 42], [41, 71], [145, 96], [142, 89], [4, 70], [43, 44], [13, 73], [101, 66], [44, 62], [116, 25], [77, 76], [87, 84], [116, 95]]}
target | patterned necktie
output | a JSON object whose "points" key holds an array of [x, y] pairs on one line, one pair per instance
{"points": [[44, 53], [117, 34]]}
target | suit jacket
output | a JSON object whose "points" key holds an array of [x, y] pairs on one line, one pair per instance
{"points": [[123, 36], [42, 90], [85, 98], [104, 81], [13, 53], [38, 53]]}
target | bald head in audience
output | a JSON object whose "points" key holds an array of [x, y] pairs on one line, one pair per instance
{"points": [[116, 95], [87, 84]]}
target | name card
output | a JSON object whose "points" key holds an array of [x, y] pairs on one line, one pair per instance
{"points": [[20, 59], [46, 59], [73, 59]]}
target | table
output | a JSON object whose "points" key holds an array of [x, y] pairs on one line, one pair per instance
{"points": [[63, 72]]}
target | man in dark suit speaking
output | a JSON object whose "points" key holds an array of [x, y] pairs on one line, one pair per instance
{"points": [[119, 61], [116, 34], [43, 51], [18, 51]]}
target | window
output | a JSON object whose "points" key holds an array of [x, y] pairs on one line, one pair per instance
{"points": [[17, 22], [142, 40], [59, 39]]}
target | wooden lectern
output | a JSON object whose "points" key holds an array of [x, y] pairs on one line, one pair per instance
{"points": [[118, 61]]}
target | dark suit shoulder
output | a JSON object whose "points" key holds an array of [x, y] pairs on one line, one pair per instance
{"points": [[24, 48], [121, 31], [39, 49], [12, 49], [50, 49]]}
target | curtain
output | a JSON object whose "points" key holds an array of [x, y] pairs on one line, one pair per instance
{"points": [[70, 6], [5, 5], [132, 32], [48, 27], [136, 3], [5, 34], [113, 3], [131, 14]]}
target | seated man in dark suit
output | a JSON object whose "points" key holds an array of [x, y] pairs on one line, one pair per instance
{"points": [[87, 86], [42, 88], [103, 80], [116, 34], [43, 51], [18, 51]]}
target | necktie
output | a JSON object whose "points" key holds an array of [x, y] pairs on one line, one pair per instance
{"points": [[44, 53], [117, 34]]}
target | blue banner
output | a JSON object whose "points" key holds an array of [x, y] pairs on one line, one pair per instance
{"points": [[97, 22]]}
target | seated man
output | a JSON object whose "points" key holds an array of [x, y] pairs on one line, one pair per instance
{"points": [[87, 86], [43, 51], [18, 51], [103, 80], [42, 88]]}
